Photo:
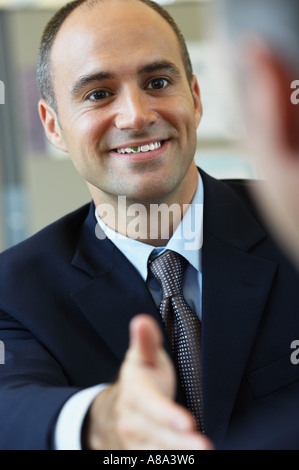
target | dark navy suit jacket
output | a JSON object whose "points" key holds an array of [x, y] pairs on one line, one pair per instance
{"points": [[66, 299]]}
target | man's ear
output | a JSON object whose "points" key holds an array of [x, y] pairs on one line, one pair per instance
{"points": [[51, 125], [197, 100]]}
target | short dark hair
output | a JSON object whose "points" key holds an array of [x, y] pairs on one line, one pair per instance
{"points": [[44, 71]]}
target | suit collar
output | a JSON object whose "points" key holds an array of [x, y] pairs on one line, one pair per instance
{"points": [[226, 215], [114, 292], [89, 255]]}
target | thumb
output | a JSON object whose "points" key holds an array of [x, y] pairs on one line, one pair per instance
{"points": [[145, 339]]}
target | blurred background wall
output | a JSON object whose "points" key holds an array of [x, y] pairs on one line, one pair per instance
{"points": [[39, 184]]}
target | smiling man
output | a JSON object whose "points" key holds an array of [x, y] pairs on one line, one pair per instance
{"points": [[121, 342], [127, 111]]}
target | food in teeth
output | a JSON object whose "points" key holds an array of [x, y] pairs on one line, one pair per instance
{"points": [[143, 148]]}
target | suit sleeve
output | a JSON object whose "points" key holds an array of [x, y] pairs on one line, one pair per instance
{"points": [[68, 431], [33, 389]]}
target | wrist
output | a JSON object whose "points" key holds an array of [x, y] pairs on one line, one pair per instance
{"points": [[98, 431]]}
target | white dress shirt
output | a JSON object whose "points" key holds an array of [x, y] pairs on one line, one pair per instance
{"points": [[187, 240]]}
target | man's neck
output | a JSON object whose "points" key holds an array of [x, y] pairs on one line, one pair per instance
{"points": [[150, 222]]}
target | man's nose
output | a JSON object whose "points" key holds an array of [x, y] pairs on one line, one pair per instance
{"points": [[135, 110]]}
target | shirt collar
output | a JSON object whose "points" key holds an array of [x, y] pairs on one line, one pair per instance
{"points": [[187, 239]]}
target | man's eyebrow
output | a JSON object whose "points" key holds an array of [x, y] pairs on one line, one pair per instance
{"points": [[87, 79], [159, 66]]}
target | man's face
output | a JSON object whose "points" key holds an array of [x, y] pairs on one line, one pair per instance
{"points": [[120, 82]]}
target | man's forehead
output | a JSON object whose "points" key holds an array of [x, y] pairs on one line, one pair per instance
{"points": [[110, 13], [108, 27]]}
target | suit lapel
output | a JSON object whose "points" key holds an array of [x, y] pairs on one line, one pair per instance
{"points": [[236, 286], [113, 293]]}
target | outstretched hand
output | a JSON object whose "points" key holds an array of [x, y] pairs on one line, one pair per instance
{"points": [[138, 411]]}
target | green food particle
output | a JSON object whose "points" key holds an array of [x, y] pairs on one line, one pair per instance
{"points": [[134, 148]]}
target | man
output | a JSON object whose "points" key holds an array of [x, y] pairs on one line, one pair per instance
{"points": [[263, 39], [83, 368]]}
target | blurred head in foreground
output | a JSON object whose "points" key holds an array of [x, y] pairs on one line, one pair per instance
{"points": [[262, 41]]}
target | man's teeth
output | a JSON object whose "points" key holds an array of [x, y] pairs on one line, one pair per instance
{"points": [[143, 148]]}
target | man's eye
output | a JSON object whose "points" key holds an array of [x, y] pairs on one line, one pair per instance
{"points": [[158, 84], [98, 95]]}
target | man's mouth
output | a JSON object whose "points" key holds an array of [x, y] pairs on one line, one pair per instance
{"points": [[142, 149]]}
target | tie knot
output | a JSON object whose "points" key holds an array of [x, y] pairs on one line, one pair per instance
{"points": [[169, 269]]}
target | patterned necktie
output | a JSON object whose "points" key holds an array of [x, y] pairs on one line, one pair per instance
{"points": [[183, 328]]}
